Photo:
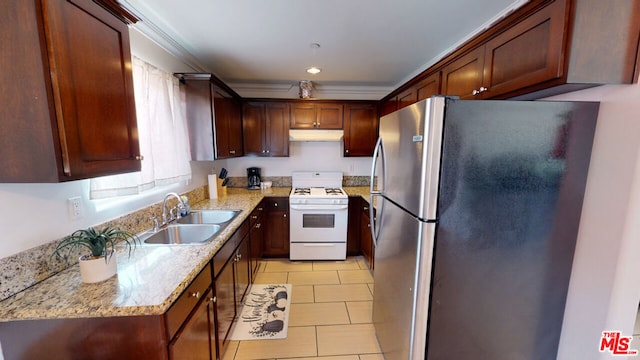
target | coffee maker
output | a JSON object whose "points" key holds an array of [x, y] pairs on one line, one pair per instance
{"points": [[253, 178]]}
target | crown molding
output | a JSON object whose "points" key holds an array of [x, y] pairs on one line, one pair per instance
{"points": [[147, 26], [291, 91]]}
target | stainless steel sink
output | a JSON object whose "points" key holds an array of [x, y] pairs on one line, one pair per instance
{"points": [[182, 234], [209, 217]]}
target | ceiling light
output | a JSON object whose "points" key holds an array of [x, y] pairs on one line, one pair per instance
{"points": [[313, 70]]}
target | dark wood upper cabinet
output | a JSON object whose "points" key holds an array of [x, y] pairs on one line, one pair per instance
{"points": [[311, 115], [428, 86], [360, 129], [463, 77], [67, 93], [214, 115], [541, 49], [266, 128]]}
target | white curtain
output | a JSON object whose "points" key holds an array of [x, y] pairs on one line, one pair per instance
{"points": [[162, 130]]}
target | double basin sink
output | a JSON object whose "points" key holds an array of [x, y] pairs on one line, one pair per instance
{"points": [[199, 227]]}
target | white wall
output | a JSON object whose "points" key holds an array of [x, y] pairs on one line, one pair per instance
{"points": [[303, 156], [605, 283]]}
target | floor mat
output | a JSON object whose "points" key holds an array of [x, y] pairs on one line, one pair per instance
{"points": [[265, 313]]}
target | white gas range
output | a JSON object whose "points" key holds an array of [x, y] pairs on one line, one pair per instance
{"points": [[318, 210]]}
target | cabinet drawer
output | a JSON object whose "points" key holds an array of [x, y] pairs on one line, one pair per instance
{"points": [[181, 309], [276, 203], [228, 249]]}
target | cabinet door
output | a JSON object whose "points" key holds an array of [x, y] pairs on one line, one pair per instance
{"points": [[225, 305], [276, 234], [428, 86], [366, 240], [256, 237], [228, 124], [235, 129], [407, 98], [360, 129], [196, 340], [253, 129], [88, 50], [303, 116], [277, 129], [329, 116], [388, 106], [464, 75], [242, 269], [526, 54], [353, 227]]}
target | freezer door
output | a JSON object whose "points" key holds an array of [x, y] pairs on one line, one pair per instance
{"points": [[401, 283], [512, 183], [411, 139]]}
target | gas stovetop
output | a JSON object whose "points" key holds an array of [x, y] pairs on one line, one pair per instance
{"points": [[317, 187], [318, 192]]}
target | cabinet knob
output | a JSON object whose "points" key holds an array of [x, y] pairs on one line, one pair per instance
{"points": [[267, 151], [232, 152], [347, 151], [254, 217], [258, 225], [214, 299], [365, 208], [275, 204], [475, 92], [259, 209], [195, 294], [264, 151], [139, 157], [285, 215]]}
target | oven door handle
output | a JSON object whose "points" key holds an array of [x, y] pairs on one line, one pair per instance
{"points": [[318, 207]]}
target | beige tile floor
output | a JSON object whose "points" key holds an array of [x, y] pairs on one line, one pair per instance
{"points": [[330, 316]]}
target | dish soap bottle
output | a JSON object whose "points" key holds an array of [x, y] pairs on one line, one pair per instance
{"points": [[187, 207]]}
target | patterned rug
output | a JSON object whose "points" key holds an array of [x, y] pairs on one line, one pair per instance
{"points": [[265, 313]]}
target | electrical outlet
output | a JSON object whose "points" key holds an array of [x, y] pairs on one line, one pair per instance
{"points": [[75, 208]]}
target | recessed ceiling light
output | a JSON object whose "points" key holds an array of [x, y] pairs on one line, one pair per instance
{"points": [[313, 70]]}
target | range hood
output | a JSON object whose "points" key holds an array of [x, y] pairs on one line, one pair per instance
{"points": [[315, 135]]}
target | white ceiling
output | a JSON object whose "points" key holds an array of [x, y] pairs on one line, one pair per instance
{"points": [[367, 47]]}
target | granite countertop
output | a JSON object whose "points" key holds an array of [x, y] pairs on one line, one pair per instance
{"points": [[147, 283]]}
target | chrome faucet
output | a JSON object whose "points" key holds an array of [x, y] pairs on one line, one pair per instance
{"points": [[167, 216]]}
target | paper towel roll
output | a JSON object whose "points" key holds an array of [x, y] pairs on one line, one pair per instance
{"points": [[213, 186]]}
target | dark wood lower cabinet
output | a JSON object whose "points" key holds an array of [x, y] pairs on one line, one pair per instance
{"points": [[196, 340], [366, 239], [225, 306], [353, 226], [359, 238], [242, 271], [257, 239], [276, 233]]}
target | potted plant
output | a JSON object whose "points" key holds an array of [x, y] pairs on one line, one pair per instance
{"points": [[99, 263]]}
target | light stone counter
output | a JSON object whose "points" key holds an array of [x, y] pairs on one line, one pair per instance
{"points": [[147, 283]]}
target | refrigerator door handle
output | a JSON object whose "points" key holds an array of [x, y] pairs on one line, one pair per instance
{"points": [[378, 151]]}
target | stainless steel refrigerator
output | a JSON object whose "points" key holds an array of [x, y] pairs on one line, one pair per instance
{"points": [[478, 207]]}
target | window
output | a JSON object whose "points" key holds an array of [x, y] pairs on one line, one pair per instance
{"points": [[162, 131]]}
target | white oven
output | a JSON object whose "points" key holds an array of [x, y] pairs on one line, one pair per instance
{"points": [[318, 214]]}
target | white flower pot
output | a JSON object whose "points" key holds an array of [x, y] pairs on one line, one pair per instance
{"points": [[94, 270]]}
